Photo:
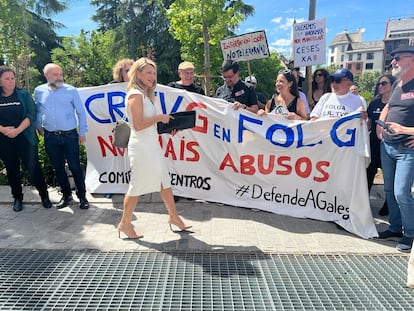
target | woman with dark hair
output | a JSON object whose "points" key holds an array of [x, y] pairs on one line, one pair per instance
{"points": [[383, 90], [286, 100], [18, 138], [321, 84]]}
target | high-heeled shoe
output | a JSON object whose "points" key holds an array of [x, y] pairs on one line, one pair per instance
{"points": [[183, 227], [129, 235]]}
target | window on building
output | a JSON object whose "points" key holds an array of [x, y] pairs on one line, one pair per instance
{"points": [[332, 50], [342, 58], [369, 66], [350, 57], [349, 67], [370, 55], [343, 48], [332, 59], [359, 56], [358, 66]]}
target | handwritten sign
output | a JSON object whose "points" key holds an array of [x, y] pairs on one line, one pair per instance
{"points": [[309, 41], [245, 47]]}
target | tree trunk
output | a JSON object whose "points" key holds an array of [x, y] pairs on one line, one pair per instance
{"points": [[207, 74]]}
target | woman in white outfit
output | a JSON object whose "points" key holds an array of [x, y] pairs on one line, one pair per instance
{"points": [[149, 172]]}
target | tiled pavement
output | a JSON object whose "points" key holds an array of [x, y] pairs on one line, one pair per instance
{"points": [[216, 228]]}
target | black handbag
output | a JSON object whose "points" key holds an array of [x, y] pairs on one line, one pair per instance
{"points": [[121, 132], [180, 121]]}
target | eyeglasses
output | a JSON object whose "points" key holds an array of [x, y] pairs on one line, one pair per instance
{"points": [[383, 83], [318, 75], [398, 58]]}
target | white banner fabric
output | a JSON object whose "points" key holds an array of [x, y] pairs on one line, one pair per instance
{"points": [[302, 169]]}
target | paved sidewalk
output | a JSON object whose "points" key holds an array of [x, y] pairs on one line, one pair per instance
{"points": [[217, 228]]}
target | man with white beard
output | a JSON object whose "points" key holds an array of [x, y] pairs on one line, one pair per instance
{"points": [[60, 115]]}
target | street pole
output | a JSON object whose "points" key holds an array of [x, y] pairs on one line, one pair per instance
{"points": [[312, 13]]}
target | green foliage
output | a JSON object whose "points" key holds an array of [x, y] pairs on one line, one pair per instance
{"points": [[140, 28], [366, 84], [85, 59], [199, 25]]}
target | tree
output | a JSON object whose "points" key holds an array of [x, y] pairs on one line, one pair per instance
{"points": [[141, 27], [85, 59], [199, 25], [27, 35]]}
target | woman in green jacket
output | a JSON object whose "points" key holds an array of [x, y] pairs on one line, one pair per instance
{"points": [[18, 138]]}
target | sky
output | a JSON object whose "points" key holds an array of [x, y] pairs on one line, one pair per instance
{"points": [[276, 17]]}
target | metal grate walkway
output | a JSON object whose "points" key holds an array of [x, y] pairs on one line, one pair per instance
{"points": [[93, 280]]}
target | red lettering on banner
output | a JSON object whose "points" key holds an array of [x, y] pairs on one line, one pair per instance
{"points": [[319, 167], [108, 146], [187, 150], [199, 128], [303, 167], [282, 162], [228, 162]]}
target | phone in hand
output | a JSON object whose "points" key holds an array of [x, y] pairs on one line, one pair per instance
{"points": [[385, 126]]}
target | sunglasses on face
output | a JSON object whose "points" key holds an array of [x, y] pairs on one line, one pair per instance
{"points": [[398, 58], [318, 75], [383, 83], [337, 80]]}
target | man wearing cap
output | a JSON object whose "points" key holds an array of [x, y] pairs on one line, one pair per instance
{"points": [[397, 151], [234, 90], [261, 99], [341, 102], [186, 82]]}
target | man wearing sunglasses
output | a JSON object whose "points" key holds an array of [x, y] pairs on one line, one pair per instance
{"points": [[397, 151], [341, 102]]}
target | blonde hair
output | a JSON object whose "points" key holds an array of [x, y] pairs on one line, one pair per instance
{"points": [[119, 67], [135, 83]]}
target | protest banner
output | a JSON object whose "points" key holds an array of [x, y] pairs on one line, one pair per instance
{"points": [[249, 46], [306, 169]]}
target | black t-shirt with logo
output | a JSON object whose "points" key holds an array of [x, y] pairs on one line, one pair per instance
{"points": [[400, 110], [11, 110]]}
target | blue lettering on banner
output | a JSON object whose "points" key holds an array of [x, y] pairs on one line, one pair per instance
{"points": [[112, 107], [351, 132]]}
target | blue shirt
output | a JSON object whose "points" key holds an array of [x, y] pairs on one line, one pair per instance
{"points": [[60, 109]]}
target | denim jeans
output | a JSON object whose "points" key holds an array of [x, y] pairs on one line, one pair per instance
{"points": [[398, 170], [63, 147]]}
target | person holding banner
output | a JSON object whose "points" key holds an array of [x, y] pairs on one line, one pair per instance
{"points": [[236, 91], [149, 171], [186, 82], [341, 102], [397, 151], [286, 100]]}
